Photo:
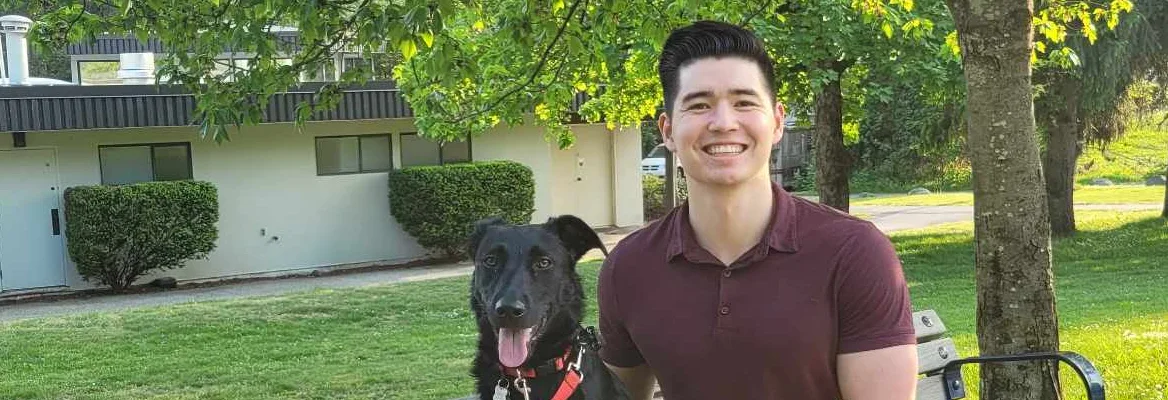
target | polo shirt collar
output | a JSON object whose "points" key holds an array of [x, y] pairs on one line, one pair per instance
{"points": [[780, 234]]}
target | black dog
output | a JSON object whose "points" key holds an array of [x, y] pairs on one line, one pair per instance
{"points": [[528, 301]]}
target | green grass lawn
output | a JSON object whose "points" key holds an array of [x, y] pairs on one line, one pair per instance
{"points": [[1124, 194], [1141, 152], [416, 340]]}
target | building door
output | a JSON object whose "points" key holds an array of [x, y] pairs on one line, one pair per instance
{"points": [[31, 246], [584, 179]]}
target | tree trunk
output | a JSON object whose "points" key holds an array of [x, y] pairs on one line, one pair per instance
{"points": [[1165, 212], [1016, 307], [1062, 154], [832, 161]]}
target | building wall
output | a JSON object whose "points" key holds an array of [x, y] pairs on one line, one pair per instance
{"points": [[277, 215], [524, 144], [627, 190]]}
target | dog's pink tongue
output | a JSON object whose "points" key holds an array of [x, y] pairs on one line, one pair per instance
{"points": [[513, 346]]}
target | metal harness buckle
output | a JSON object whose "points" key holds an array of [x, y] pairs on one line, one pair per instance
{"points": [[521, 386]]}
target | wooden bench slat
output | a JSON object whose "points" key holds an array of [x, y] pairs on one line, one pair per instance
{"points": [[932, 356], [928, 325], [931, 388]]}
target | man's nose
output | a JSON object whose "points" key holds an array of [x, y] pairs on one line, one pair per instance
{"points": [[723, 118]]}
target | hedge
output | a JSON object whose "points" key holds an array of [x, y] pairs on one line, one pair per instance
{"points": [[653, 195], [116, 234], [438, 205]]}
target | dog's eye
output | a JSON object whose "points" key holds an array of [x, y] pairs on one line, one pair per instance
{"points": [[490, 261], [543, 264]]}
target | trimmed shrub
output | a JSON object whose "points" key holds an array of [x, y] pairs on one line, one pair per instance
{"points": [[438, 205], [653, 195], [117, 234]]}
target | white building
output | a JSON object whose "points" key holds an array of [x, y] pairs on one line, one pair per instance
{"points": [[288, 201]]}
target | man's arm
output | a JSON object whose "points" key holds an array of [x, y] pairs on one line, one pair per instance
{"points": [[638, 380], [877, 356], [885, 374]]}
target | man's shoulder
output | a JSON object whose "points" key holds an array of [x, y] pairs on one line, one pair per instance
{"points": [[653, 237], [818, 222]]}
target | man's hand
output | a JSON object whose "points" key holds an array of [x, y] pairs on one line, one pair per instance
{"points": [[639, 380], [885, 374]]}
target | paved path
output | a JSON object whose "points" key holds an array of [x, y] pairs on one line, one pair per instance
{"points": [[887, 218], [894, 218], [48, 308]]}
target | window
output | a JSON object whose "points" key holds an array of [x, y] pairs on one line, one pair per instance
{"points": [[125, 164], [658, 152], [337, 155], [417, 150], [98, 72]]}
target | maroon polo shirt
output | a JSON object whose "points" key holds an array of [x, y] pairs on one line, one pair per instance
{"points": [[770, 325]]}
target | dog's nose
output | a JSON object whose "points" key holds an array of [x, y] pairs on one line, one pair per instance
{"points": [[510, 308]]}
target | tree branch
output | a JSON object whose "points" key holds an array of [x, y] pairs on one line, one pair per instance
{"points": [[755, 13], [538, 68]]}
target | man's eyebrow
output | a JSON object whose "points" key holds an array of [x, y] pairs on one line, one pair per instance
{"points": [[744, 92], [707, 93], [698, 94]]}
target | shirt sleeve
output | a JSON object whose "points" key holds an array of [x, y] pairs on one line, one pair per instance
{"points": [[617, 348], [872, 296]]}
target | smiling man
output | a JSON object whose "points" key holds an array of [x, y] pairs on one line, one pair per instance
{"points": [[744, 291]]}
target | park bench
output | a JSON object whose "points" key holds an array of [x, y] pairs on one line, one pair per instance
{"points": [[941, 365]]}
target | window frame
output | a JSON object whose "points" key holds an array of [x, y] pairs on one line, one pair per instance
{"points": [[360, 166], [441, 155], [153, 159]]}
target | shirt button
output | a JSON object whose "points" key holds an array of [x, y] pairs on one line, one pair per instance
{"points": [[725, 310], [726, 274]]}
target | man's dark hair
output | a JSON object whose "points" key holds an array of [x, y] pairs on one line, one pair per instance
{"points": [[710, 39]]}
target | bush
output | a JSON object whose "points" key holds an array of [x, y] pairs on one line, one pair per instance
{"points": [[438, 205], [653, 195], [117, 234]]}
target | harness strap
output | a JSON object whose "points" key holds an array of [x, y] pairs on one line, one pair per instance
{"points": [[572, 374], [568, 386]]}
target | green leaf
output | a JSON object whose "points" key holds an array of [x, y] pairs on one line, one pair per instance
{"points": [[887, 28], [428, 38], [408, 48]]}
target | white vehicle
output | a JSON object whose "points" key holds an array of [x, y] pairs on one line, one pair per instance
{"points": [[654, 163]]}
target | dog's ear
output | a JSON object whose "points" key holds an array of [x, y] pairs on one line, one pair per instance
{"points": [[478, 232], [575, 234]]}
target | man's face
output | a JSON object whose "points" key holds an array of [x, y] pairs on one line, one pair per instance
{"points": [[723, 123]]}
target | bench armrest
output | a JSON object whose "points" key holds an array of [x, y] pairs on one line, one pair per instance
{"points": [[1087, 372]]}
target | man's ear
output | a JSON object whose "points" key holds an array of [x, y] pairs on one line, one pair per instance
{"points": [[665, 126], [780, 122], [478, 232], [576, 235]]}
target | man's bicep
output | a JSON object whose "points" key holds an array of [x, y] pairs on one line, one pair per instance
{"points": [[875, 310], [639, 380], [889, 373]]}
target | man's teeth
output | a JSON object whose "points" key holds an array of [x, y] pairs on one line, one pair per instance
{"points": [[725, 149]]}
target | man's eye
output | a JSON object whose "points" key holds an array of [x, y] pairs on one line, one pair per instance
{"points": [[746, 103], [698, 106]]}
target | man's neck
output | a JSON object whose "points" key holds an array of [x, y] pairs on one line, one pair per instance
{"points": [[728, 222]]}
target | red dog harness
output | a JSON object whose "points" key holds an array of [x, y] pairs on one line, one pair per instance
{"points": [[572, 374]]}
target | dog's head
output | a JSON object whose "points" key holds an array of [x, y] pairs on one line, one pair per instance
{"points": [[525, 275]]}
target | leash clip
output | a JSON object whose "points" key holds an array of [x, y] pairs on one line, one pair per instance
{"points": [[575, 366], [521, 386]]}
